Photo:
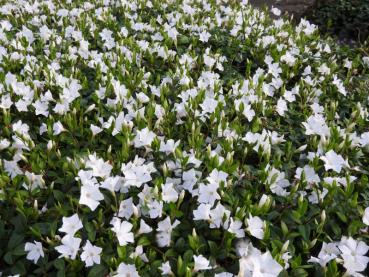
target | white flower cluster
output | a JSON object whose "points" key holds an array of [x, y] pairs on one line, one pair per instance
{"points": [[158, 134]]}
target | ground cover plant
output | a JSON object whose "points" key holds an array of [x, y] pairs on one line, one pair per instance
{"points": [[346, 19], [179, 138]]}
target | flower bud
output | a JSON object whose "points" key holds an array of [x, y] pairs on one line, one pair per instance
{"points": [[165, 169], [285, 246], [35, 205], [194, 234], [90, 108], [301, 148], [323, 216], [181, 196], [50, 145], [264, 201], [135, 211]]}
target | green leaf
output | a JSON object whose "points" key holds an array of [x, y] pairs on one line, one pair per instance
{"points": [[15, 240], [98, 271], [8, 258], [59, 264]]}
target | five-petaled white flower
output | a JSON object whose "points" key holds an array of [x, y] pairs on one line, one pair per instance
{"points": [[333, 161], [34, 250], [122, 229], [201, 263], [91, 196], [69, 247], [71, 225], [91, 254], [255, 226]]}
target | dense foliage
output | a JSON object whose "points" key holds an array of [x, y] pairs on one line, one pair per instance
{"points": [[347, 19], [179, 138]]}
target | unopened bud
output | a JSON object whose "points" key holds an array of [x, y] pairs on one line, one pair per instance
{"points": [[181, 195], [35, 205], [165, 169], [90, 108], [312, 243], [50, 145], [24, 158], [285, 246], [194, 234], [323, 216], [301, 148], [264, 200], [135, 211]]}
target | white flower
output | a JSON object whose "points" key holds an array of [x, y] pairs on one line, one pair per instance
{"points": [[99, 167], [328, 252], [333, 161], [202, 212], [217, 176], [139, 253], [4, 143], [255, 226], [353, 255], [219, 216], [364, 139], [91, 254], [122, 230], [309, 172], [245, 248], [95, 129], [34, 250], [125, 270], [34, 181], [90, 196], [366, 216], [69, 247], [324, 69], [209, 105], [278, 182], [169, 194], [21, 128], [169, 146], [248, 112], [12, 168], [171, 31], [57, 128], [366, 61], [165, 228], [316, 125], [339, 84], [136, 175], [289, 59], [235, 227], [201, 263], [111, 183], [144, 228], [276, 11], [144, 137], [261, 265], [204, 36], [281, 107], [165, 268], [208, 193], [71, 225], [126, 208]]}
